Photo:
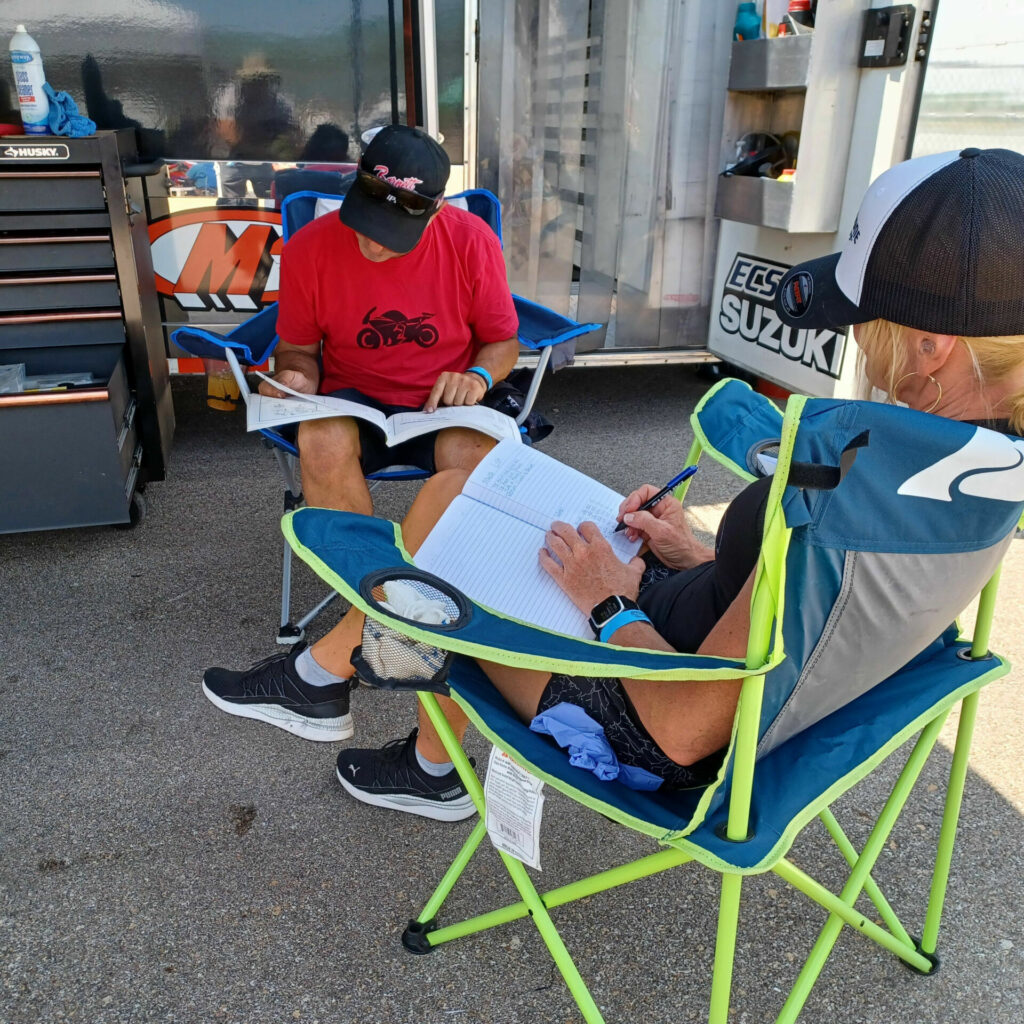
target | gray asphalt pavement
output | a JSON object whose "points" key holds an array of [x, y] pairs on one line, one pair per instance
{"points": [[162, 861]]}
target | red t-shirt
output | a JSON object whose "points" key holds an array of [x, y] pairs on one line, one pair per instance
{"points": [[389, 329]]}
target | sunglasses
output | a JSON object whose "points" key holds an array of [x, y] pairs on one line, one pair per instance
{"points": [[412, 202]]}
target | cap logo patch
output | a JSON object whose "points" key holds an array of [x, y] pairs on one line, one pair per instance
{"points": [[409, 184], [796, 294], [855, 231]]}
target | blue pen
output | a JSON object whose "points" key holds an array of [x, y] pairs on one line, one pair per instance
{"points": [[670, 486]]}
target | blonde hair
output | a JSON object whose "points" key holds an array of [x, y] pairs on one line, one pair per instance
{"points": [[885, 346]]}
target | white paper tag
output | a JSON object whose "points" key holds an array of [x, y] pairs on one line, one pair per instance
{"points": [[874, 47], [514, 804]]}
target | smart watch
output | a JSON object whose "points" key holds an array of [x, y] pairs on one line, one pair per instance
{"points": [[618, 608]]}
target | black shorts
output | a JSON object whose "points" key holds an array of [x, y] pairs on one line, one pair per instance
{"points": [[376, 455]]}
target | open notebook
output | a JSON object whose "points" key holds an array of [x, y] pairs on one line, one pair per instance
{"points": [[262, 411], [487, 541]]}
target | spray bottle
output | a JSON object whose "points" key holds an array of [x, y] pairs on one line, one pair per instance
{"points": [[29, 78]]}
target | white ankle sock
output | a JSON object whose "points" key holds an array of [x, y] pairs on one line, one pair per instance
{"points": [[431, 768], [312, 672]]}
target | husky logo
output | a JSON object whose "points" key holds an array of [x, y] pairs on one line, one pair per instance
{"points": [[990, 465], [218, 259], [748, 311], [22, 152]]}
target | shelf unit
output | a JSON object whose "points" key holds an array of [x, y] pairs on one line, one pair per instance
{"points": [[77, 294], [797, 83]]}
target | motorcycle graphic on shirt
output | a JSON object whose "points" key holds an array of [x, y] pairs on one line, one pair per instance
{"points": [[394, 328]]}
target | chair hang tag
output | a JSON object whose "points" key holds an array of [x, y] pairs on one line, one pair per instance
{"points": [[515, 802]]}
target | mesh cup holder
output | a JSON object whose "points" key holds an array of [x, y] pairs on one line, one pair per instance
{"points": [[390, 660]]}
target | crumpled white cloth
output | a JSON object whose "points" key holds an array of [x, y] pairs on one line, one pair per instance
{"points": [[406, 601]]}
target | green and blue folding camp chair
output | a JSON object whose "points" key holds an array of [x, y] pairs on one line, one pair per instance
{"points": [[882, 525]]}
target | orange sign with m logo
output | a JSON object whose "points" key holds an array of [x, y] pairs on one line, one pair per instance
{"points": [[218, 259]]}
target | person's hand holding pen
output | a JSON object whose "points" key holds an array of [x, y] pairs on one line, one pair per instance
{"points": [[653, 515]]}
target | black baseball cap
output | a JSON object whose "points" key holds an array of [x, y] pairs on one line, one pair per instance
{"points": [[401, 178], [937, 245]]}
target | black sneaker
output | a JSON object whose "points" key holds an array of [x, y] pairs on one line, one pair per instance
{"points": [[391, 777], [273, 692]]}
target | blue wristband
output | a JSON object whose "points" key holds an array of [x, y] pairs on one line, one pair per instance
{"points": [[481, 372], [620, 619]]}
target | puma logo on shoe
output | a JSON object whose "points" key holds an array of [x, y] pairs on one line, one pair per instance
{"points": [[353, 768]]}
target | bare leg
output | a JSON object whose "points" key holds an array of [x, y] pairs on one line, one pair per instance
{"points": [[521, 687], [456, 452], [332, 476], [459, 448], [334, 650], [692, 719]]}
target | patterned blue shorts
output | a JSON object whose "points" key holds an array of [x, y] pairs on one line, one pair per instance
{"points": [[607, 702]]}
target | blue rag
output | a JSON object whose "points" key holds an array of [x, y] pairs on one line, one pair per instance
{"points": [[64, 118], [573, 729]]}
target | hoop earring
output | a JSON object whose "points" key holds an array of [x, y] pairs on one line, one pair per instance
{"points": [[914, 373]]}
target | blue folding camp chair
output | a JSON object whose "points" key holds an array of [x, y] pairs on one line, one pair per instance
{"points": [[882, 524], [252, 343]]}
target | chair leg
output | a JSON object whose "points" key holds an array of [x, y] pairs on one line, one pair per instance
{"points": [[725, 948], [417, 936], [548, 932], [856, 882], [287, 633], [653, 864], [846, 848], [950, 819], [516, 870]]}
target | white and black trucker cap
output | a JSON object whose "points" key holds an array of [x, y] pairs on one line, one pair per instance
{"points": [[937, 245]]}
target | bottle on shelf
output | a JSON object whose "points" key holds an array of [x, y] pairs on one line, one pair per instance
{"points": [[748, 22], [221, 387], [27, 64], [799, 19]]}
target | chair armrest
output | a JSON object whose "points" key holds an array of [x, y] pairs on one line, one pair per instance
{"points": [[541, 327], [252, 341], [355, 553], [731, 421]]}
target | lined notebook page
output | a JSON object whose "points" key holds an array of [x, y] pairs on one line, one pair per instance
{"points": [[487, 541], [492, 558], [538, 489]]}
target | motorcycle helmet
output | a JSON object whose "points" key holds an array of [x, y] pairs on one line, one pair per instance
{"points": [[758, 154]]}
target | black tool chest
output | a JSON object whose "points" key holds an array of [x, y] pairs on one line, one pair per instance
{"points": [[77, 296]]}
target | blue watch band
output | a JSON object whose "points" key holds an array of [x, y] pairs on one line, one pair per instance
{"points": [[618, 620], [481, 372]]}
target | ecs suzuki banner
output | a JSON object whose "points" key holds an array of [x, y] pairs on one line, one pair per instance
{"points": [[745, 330]]}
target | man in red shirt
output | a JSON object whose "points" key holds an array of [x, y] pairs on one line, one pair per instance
{"points": [[399, 302], [403, 301]]}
